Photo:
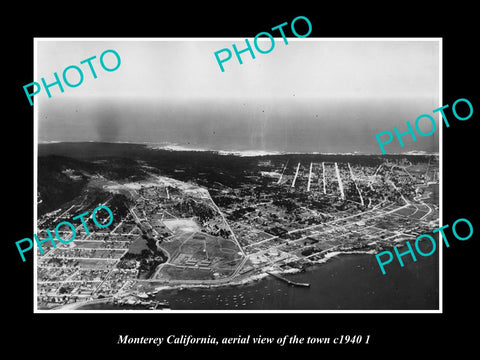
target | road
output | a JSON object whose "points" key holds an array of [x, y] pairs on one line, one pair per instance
{"points": [[309, 177], [295, 177], [323, 174], [355, 182], [340, 184], [225, 221]]}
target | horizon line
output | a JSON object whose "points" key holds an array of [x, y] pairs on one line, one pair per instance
{"points": [[252, 152]]}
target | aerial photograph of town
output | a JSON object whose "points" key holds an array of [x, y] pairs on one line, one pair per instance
{"points": [[203, 219], [238, 190]]}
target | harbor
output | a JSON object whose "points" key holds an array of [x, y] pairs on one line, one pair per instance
{"points": [[289, 282], [331, 284]]}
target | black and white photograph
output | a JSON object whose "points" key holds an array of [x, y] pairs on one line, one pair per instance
{"points": [[260, 188], [280, 180]]}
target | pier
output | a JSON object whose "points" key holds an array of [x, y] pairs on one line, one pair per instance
{"points": [[290, 282]]}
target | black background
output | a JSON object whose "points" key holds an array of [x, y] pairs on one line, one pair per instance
{"points": [[96, 334]]}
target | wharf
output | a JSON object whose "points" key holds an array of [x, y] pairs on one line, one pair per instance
{"points": [[290, 282]]}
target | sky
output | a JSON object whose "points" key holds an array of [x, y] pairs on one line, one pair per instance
{"points": [[171, 90]]}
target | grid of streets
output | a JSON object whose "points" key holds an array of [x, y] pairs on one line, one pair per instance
{"points": [[300, 213]]}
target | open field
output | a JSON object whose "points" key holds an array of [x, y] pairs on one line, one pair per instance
{"points": [[182, 225], [173, 273]]}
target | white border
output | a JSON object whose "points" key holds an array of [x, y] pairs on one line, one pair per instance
{"points": [[440, 175], [168, 311]]}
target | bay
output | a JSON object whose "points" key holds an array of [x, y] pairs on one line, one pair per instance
{"points": [[345, 282]]}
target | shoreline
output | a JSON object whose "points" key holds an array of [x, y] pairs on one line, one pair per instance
{"points": [[243, 281], [167, 146]]}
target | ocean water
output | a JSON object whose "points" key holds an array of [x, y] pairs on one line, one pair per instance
{"points": [[285, 125], [345, 282]]}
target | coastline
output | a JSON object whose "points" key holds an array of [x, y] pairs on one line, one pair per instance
{"points": [[256, 277], [250, 275], [242, 153], [344, 274], [239, 282]]}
